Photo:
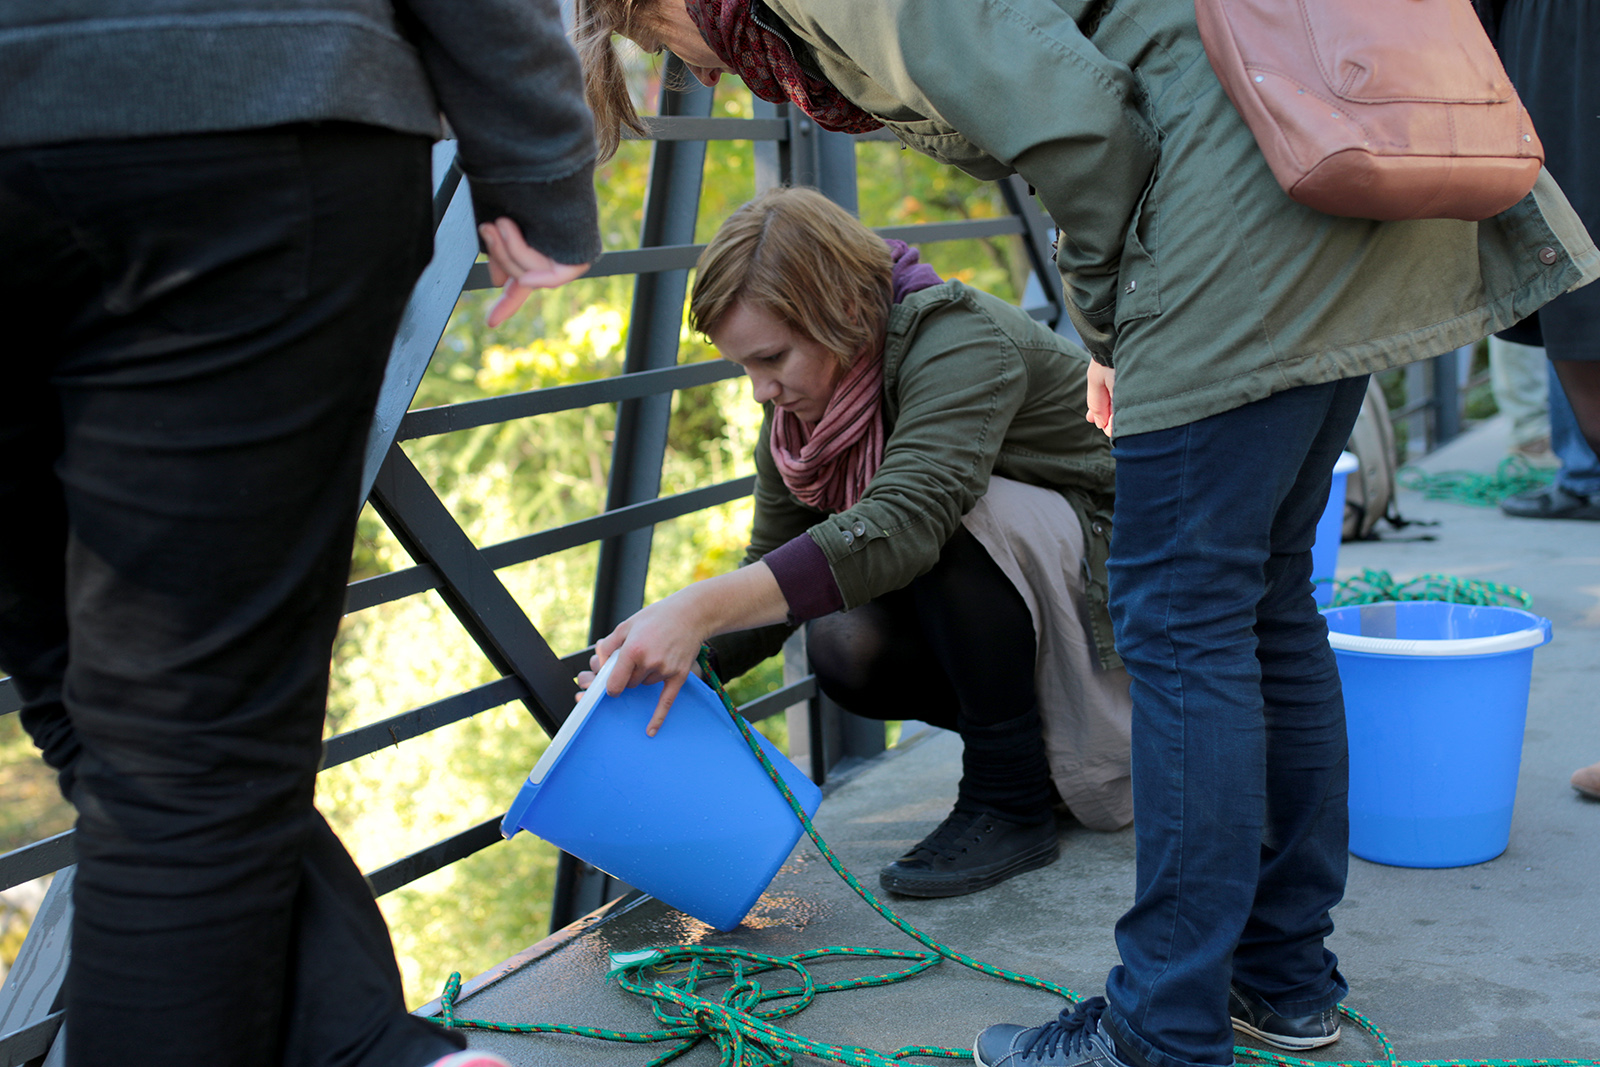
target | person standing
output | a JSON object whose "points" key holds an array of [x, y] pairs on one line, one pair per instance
{"points": [[211, 217], [1551, 49], [1233, 330]]}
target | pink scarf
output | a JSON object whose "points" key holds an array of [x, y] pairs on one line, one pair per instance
{"points": [[829, 465], [768, 66]]}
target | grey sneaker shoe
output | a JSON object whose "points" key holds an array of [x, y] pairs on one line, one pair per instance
{"points": [[1251, 1015], [1551, 502], [969, 851], [1072, 1039]]}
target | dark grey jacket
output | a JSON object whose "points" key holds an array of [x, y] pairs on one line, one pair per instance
{"points": [[501, 70]]}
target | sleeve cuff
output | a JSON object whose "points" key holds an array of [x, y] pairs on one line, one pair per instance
{"points": [[559, 218], [805, 579]]}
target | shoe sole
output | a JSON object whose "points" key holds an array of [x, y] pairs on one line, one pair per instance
{"points": [[955, 885], [1290, 1044]]}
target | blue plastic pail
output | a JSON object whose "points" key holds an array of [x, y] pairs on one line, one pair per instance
{"points": [[1436, 697], [688, 816], [1330, 531]]}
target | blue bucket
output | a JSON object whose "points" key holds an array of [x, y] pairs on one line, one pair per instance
{"points": [[1330, 531], [1436, 698], [689, 816]]}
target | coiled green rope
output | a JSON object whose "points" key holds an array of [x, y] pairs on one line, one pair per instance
{"points": [[1514, 476], [1374, 587], [741, 1020]]}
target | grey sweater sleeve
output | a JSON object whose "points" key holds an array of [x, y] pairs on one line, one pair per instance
{"points": [[508, 81]]}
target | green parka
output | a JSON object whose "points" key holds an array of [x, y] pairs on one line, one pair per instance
{"points": [[1186, 267], [972, 387]]}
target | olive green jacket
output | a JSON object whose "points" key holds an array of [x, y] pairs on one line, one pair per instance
{"points": [[1186, 266], [972, 387]]}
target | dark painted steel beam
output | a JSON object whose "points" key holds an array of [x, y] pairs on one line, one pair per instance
{"points": [[418, 721], [427, 422], [37, 860], [671, 207], [493, 618], [435, 857], [384, 588]]}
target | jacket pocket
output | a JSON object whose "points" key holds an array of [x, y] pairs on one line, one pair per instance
{"points": [[1138, 281]]}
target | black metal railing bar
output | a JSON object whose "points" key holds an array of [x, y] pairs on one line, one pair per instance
{"points": [[395, 585], [688, 128], [37, 860], [389, 732], [450, 418], [32, 1041]]}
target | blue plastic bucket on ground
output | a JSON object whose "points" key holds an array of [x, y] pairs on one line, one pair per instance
{"points": [[1436, 698], [1330, 531], [689, 816]]}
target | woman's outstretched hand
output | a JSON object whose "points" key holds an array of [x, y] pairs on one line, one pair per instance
{"points": [[659, 644], [662, 642], [1101, 379], [519, 267]]}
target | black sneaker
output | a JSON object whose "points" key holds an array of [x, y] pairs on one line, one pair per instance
{"points": [[1251, 1015], [971, 850], [1072, 1039]]}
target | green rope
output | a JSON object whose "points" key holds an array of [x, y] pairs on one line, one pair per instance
{"points": [[1514, 476], [740, 1021], [1374, 587]]}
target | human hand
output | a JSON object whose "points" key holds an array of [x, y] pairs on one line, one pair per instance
{"points": [[519, 267], [1101, 379], [661, 643]]}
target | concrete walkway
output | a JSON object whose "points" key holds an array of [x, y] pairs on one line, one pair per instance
{"points": [[1499, 960]]}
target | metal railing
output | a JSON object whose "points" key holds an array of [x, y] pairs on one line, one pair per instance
{"points": [[789, 149]]}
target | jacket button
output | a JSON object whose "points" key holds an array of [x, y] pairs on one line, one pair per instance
{"points": [[1547, 256], [859, 529], [849, 538], [1099, 529]]}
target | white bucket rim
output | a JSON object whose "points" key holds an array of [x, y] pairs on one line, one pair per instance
{"points": [[569, 729], [1457, 646], [1347, 463]]}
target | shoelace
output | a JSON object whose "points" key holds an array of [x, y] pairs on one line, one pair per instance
{"points": [[1068, 1033], [949, 839]]}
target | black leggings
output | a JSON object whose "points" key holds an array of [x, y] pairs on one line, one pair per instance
{"points": [[955, 648]]}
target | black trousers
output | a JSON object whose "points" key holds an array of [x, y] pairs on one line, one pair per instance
{"points": [[198, 327], [955, 648]]}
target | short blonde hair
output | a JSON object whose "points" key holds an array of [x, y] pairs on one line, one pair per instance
{"points": [[806, 261], [605, 82]]}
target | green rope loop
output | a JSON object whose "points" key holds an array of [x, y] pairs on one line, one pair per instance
{"points": [[1373, 587], [740, 1019], [1514, 476]]}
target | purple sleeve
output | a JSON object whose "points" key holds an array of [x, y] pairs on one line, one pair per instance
{"points": [[805, 579]]}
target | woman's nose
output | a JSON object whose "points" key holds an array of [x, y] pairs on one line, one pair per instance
{"points": [[763, 388]]}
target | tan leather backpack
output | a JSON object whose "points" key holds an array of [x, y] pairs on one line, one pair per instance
{"points": [[1376, 109]]}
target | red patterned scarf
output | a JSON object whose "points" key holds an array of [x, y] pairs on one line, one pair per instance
{"points": [[830, 464], [768, 66]]}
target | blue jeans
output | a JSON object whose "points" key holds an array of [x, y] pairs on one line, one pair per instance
{"points": [[1239, 752], [1580, 469]]}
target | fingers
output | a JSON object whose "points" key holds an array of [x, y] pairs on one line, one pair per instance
{"points": [[669, 693], [519, 267]]}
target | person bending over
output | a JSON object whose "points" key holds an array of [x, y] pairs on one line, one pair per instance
{"points": [[928, 490], [1241, 326]]}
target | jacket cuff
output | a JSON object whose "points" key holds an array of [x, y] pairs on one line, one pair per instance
{"points": [[805, 579], [559, 218]]}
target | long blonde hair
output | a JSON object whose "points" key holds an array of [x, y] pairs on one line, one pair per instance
{"points": [[605, 82], [806, 261]]}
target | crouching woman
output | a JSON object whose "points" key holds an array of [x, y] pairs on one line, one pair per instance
{"points": [[932, 500]]}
